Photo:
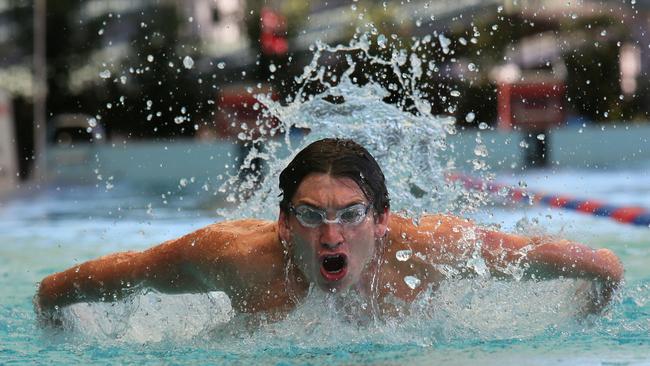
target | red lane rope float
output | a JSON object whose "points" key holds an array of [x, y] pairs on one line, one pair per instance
{"points": [[625, 214]]}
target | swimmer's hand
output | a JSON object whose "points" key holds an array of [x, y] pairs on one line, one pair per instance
{"points": [[601, 267], [46, 317], [607, 281]]}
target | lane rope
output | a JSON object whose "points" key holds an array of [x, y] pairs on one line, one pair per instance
{"points": [[632, 215]]}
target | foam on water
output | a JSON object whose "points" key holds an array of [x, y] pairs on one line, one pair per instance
{"points": [[476, 309], [407, 141]]}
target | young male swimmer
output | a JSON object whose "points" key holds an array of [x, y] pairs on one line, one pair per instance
{"points": [[334, 230]]}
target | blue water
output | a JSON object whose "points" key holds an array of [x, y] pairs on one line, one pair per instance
{"points": [[48, 230]]}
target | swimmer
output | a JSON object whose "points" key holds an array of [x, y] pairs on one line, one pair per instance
{"points": [[335, 232]]}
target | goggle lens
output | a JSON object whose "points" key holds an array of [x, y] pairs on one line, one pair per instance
{"points": [[312, 217]]}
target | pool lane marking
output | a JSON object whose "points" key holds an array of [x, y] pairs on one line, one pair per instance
{"points": [[632, 215]]}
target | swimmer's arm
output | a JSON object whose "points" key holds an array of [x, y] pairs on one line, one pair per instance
{"points": [[549, 258], [453, 241], [175, 266]]}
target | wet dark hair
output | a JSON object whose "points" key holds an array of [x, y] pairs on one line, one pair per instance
{"points": [[341, 158]]}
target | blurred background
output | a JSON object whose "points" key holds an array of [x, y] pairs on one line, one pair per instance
{"points": [[78, 77]]}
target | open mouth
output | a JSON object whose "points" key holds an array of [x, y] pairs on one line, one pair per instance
{"points": [[334, 266]]}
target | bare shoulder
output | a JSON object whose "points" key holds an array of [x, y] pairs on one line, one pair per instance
{"points": [[235, 238], [438, 228], [436, 235], [238, 236], [248, 229]]}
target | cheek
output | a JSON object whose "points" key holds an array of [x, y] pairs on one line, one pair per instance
{"points": [[303, 245], [364, 246]]}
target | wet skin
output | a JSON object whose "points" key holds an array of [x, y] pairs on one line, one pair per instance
{"points": [[356, 243], [248, 260]]}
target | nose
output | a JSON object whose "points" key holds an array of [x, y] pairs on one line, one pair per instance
{"points": [[331, 236]]}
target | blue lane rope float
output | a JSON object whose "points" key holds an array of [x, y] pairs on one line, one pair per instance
{"points": [[632, 215]]}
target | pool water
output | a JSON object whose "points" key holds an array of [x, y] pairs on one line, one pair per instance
{"points": [[496, 322], [466, 321]]}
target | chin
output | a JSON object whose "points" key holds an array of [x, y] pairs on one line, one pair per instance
{"points": [[336, 286]]}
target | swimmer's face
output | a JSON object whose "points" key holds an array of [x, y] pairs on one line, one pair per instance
{"points": [[332, 255]]}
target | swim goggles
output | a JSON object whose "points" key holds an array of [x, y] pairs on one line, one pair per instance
{"points": [[311, 217]]}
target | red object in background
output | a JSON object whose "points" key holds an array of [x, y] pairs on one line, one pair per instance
{"points": [[237, 112], [273, 34], [531, 105]]}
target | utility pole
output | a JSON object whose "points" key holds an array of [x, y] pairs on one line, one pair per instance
{"points": [[40, 91]]}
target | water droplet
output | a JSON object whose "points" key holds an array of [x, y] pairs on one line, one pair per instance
{"points": [[179, 119], [381, 41], [462, 41], [481, 150], [522, 184], [188, 62], [483, 126], [183, 182], [92, 122], [272, 68], [150, 58], [455, 93], [450, 129], [403, 255], [444, 43], [221, 65], [412, 282], [123, 79], [541, 137], [471, 67], [101, 31], [105, 74], [470, 117]]}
